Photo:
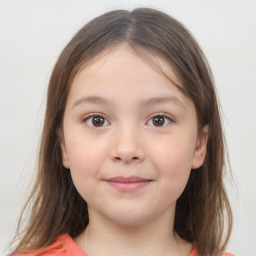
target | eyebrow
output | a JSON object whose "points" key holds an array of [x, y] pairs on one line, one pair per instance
{"points": [[151, 101], [91, 99], [160, 100]]}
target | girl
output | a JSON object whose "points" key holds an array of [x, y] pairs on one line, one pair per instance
{"points": [[132, 153]]}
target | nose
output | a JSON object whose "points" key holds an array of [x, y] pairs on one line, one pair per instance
{"points": [[127, 147]]}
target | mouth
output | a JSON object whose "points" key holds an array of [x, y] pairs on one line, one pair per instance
{"points": [[128, 184]]}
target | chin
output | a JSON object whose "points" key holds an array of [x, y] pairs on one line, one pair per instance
{"points": [[130, 218]]}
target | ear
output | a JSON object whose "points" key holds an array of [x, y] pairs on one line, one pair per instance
{"points": [[64, 154], [201, 148]]}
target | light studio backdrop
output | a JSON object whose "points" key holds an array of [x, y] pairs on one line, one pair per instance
{"points": [[32, 34]]}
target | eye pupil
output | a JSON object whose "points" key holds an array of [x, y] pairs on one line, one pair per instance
{"points": [[158, 121], [98, 121]]}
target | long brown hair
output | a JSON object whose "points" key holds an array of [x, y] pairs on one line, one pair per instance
{"points": [[203, 214]]}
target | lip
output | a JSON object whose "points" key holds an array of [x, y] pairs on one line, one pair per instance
{"points": [[128, 184]]}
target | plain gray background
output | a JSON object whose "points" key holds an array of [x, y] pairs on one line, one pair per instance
{"points": [[32, 34]]}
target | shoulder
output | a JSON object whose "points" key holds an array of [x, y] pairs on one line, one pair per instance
{"points": [[64, 245], [195, 253]]}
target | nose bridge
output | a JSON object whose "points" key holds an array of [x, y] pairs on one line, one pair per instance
{"points": [[127, 146]]}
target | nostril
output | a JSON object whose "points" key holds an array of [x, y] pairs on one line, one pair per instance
{"points": [[135, 158]]}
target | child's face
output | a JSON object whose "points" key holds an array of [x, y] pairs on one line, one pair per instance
{"points": [[130, 138]]}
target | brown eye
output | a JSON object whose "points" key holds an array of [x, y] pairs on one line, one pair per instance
{"points": [[96, 121], [159, 120]]}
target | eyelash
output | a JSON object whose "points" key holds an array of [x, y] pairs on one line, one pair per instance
{"points": [[164, 116], [86, 118]]}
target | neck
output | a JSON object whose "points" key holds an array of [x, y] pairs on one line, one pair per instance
{"points": [[107, 238]]}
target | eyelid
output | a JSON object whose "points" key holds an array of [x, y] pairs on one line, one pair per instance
{"points": [[167, 116], [88, 116]]}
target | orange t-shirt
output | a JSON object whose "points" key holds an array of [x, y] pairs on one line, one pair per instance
{"points": [[65, 246]]}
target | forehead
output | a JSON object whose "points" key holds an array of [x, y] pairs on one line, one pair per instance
{"points": [[123, 54], [121, 66]]}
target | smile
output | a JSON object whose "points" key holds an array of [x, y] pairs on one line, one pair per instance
{"points": [[128, 184]]}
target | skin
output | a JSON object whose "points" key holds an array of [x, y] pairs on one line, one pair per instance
{"points": [[146, 128]]}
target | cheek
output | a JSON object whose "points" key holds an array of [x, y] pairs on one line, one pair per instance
{"points": [[86, 158], [172, 158], [174, 152], [84, 152]]}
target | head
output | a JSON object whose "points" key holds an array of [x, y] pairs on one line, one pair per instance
{"points": [[152, 36]]}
